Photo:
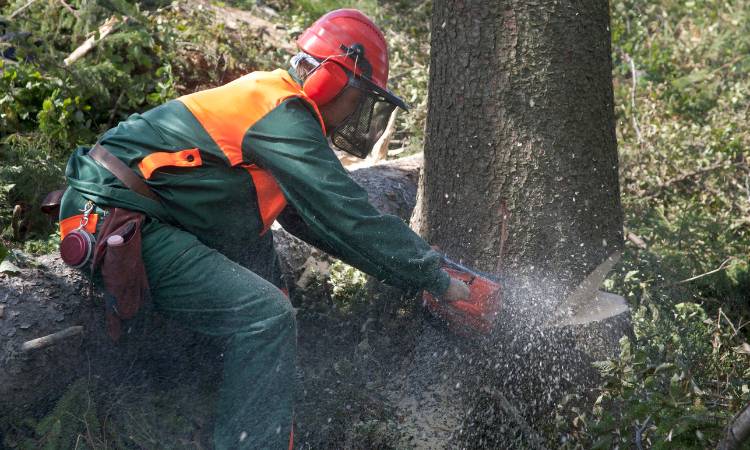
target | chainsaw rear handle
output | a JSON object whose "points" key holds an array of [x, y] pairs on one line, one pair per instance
{"points": [[470, 273]]}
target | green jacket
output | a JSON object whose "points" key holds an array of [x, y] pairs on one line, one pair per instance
{"points": [[214, 195]]}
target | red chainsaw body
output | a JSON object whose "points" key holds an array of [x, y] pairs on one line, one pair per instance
{"points": [[475, 314]]}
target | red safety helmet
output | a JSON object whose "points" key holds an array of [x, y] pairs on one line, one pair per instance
{"points": [[347, 28], [351, 51]]}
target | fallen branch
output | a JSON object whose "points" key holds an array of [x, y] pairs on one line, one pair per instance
{"points": [[718, 322], [21, 9], [637, 240], [723, 266], [687, 175], [634, 115], [639, 433], [50, 339], [105, 30], [70, 8], [114, 109], [740, 327]]}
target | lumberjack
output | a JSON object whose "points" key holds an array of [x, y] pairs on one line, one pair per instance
{"points": [[175, 205]]}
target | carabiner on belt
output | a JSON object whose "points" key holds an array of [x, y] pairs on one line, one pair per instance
{"points": [[77, 248]]}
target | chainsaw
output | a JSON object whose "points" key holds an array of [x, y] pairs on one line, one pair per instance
{"points": [[477, 314], [473, 315]]}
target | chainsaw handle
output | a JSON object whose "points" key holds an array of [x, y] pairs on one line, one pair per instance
{"points": [[475, 313], [459, 288], [460, 268]]}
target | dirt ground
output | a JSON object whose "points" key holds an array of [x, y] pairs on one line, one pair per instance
{"points": [[375, 371], [373, 374], [380, 380]]}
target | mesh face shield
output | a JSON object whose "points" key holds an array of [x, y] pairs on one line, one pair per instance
{"points": [[361, 130]]}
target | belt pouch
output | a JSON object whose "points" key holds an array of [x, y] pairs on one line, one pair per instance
{"points": [[122, 267]]}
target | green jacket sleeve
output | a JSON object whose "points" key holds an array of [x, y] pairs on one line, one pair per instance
{"points": [[289, 143], [294, 224]]}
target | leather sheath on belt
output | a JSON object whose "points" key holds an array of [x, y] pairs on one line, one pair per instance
{"points": [[122, 265], [122, 268]]}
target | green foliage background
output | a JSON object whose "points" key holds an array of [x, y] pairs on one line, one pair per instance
{"points": [[48, 108], [681, 88]]}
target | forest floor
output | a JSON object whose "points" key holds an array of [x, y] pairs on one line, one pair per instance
{"points": [[375, 376]]}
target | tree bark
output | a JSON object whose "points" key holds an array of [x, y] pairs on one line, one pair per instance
{"points": [[521, 113], [49, 300]]}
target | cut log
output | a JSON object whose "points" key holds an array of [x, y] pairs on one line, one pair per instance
{"points": [[51, 339]]}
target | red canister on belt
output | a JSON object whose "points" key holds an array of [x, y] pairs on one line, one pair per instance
{"points": [[77, 248]]}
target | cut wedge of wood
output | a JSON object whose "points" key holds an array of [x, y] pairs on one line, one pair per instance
{"points": [[587, 304], [603, 305]]}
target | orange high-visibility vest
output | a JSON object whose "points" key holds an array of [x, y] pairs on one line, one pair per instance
{"points": [[229, 111]]}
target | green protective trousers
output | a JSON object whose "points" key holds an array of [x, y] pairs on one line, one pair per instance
{"points": [[225, 292]]}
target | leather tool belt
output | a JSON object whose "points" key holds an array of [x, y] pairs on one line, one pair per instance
{"points": [[117, 246], [121, 171]]}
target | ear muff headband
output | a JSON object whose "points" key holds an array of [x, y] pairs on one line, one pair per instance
{"points": [[326, 82]]}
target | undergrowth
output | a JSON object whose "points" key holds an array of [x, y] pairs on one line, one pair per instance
{"points": [[157, 51]]}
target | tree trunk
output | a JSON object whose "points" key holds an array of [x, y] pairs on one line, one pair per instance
{"points": [[47, 299], [521, 113]]}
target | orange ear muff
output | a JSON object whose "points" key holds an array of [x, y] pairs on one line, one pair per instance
{"points": [[325, 83]]}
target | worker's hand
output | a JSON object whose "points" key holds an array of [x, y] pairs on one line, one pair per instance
{"points": [[457, 290]]}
